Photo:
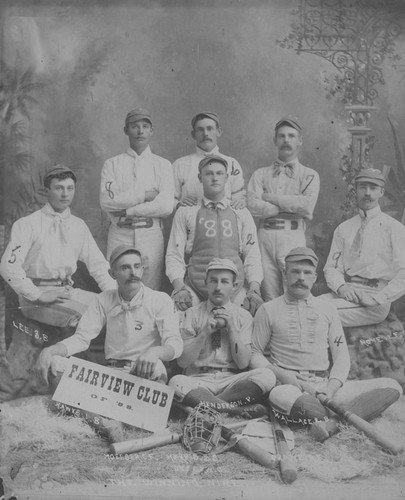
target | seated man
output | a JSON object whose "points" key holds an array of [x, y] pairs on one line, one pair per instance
{"points": [[142, 326], [366, 264], [217, 350], [206, 131], [212, 228], [43, 252], [293, 335]]}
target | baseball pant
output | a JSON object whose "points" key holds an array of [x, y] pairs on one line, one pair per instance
{"points": [[61, 314], [274, 246], [217, 382], [283, 397], [149, 242], [351, 314]]}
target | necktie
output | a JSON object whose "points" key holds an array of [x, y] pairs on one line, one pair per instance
{"points": [[212, 205], [287, 168], [357, 244], [216, 336]]}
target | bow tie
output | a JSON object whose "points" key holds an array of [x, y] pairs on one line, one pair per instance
{"points": [[287, 167], [214, 205]]}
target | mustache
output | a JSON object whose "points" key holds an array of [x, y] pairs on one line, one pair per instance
{"points": [[135, 278], [299, 284]]}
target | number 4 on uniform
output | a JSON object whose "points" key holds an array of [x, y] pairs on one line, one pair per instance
{"points": [[338, 341]]}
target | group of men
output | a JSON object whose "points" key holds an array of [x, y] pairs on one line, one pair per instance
{"points": [[242, 322]]}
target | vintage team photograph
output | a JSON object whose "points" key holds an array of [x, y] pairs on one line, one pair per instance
{"points": [[202, 249]]}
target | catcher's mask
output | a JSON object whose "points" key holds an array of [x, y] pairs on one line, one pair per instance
{"points": [[202, 429]]}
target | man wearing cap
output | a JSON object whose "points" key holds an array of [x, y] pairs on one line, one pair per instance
{"points": [[217, 348], [142, 327], [293, 336], [213, 228], [137, 192], [282, 197], [42, 256], [366, 264], [188, 190]]}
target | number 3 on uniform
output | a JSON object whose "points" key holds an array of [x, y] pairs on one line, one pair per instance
{"points": [[211, 232]]}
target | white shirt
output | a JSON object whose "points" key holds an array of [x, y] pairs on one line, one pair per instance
{"points": [[187, 184], [182, 239], [149, 320], [295, 195], [196, 318], [382, 254], [47, 245], [126, 177]]}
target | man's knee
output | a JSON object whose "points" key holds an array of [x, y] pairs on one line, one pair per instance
{"points": [[263, 377], [283, 397]]}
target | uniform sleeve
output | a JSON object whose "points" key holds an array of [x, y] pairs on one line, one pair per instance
{"points": [[302, 204], [238, 190], [177, 182], [96, 263], [246, 328], [396, 287], [188, 326], [88, 328], [261, 335], [112, 197], [162, 205], [167, 321], [338, 347], [252, 261], [175, 263], [334, 269], [258, 207], [12, 261]]}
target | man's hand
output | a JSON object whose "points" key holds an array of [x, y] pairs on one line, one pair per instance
{"points": [[224, 319], [182, 298], [287, 377], [44, 363], [238, 203], [51, 296], [151, 194], [253, 299], [188, 201], [349, 293], [146, 363], [270, 197], [366, 298]]}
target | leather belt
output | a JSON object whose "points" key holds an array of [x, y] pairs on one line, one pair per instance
{"points": [[314, 373], [289, 224], [211, 369], [135, 222], [52, 282], [371, 282], [121, 363]]}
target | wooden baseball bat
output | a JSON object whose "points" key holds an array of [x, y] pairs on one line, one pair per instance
{"points": [[155, 441], [386, 442], [288, 469]]}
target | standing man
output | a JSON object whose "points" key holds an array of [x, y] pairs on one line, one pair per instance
{"points": [[366, 265], [217, 337], [42, 256], [293, 336], [282, 197], [137, 193], [188, 191], [212, 228]]}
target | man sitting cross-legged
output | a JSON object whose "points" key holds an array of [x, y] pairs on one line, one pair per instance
{"points": [[293, 335], [217, 338]]}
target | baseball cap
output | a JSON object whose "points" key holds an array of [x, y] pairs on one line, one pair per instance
{"points": [[138, 114], [120, 250], [207, 160], [222, 264], [205, 114], [371, 175], [290, 121], [59, 169], [302, 253]]}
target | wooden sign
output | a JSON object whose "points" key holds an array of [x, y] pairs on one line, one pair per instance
{"points": [[115, 394]]}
